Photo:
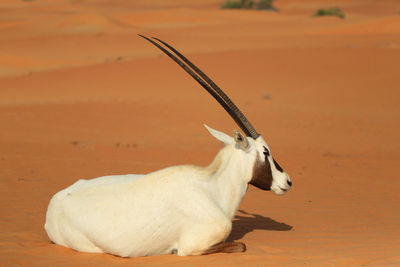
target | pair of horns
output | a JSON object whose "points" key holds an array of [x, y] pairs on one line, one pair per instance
{"points": [[207, 84]]}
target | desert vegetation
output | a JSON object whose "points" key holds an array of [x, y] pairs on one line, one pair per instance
{"points": [[249, 4], [333, 11]]}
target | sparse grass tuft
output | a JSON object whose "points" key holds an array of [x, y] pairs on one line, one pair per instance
{"points": [[334, 11], [249, 4], [231, 4], [265, 5], [242, 4]]}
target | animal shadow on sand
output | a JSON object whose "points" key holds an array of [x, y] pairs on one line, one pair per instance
{"points": [[241, 225]]}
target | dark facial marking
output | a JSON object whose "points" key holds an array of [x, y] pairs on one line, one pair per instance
{"points": [[262, 174], [266, 151], [277, 166]]}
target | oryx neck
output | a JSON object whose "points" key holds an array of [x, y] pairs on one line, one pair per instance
{"points": [[230, 175]]}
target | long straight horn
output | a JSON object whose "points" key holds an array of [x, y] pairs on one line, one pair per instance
{"points": [[210, 86]]}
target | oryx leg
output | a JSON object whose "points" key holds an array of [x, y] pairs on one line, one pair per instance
{"points": [[226, 247], [209, 238]]}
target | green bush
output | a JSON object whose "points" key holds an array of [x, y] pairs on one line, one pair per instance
{"points": [[242, 4], [249, 4], [265, 4], [231, 4], [334, 11]]}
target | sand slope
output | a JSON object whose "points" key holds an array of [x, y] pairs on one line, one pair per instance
{"points": [[82, 96]]}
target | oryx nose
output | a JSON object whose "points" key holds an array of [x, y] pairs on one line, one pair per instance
{"points": [[289, 183]]}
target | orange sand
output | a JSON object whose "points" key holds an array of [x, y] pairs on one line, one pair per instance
{"points": [[82, 96]]}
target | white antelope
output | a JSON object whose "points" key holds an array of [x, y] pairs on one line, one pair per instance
{"points": [[184, 210]]}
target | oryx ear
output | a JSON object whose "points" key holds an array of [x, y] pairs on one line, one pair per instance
{"points": [[241, 140], [224, 138]]}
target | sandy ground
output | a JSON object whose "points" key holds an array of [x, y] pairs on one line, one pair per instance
{"points": [[82, 96]]}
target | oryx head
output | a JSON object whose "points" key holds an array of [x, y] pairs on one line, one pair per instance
{"points": [[267, 174]]}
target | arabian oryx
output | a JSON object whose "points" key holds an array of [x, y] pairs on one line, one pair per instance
{"points": [[184, 210]]}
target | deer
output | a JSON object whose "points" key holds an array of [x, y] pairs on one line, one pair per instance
{"points": [[183, 210]]}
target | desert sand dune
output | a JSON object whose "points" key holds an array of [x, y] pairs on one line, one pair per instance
{"points": [[81, 96]]}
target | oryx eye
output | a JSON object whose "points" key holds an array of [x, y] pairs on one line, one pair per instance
{"points": [[266, 151]]}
